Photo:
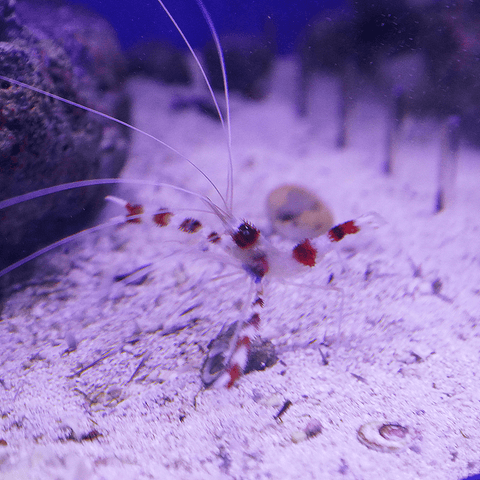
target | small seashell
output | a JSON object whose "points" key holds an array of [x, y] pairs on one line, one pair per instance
{"points": [[393, 431], [384, 437], [297, 213]]}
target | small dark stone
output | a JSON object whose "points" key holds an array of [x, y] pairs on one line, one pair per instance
{"points": [[313, 428], [91, 436], [262, 356], [437, 286]]}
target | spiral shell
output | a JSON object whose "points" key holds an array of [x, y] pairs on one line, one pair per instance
{"points": [[384, 437]]}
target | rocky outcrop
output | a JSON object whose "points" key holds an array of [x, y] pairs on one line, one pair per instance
{"points": [[68, 51]]}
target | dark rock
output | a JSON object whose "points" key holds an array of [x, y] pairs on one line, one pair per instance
{"points": [[262, 356], [161, 61], [248, 62], [72, 53]]}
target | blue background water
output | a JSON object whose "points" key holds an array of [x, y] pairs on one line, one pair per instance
{"points": [[136, 20]]}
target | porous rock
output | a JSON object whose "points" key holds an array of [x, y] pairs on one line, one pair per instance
{"points": [[68, 51]]}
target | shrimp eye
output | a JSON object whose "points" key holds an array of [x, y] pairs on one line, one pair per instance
{"points": [[246, 236]]}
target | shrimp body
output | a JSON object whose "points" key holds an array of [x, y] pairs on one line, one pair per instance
{"points": [[241, 244]]}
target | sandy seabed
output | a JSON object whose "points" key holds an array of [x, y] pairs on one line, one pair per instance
{"points": [[406, 354]]}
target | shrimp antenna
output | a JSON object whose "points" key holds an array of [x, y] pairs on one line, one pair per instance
{"points": [[208, 18], [112, 222], [222, 215], [226, 126], [105, 181], [120, 122]]}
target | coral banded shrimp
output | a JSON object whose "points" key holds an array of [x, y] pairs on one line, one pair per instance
{"points": [[237, 244]]}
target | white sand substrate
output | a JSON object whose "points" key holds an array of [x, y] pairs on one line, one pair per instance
{"points": [[407, 353]]}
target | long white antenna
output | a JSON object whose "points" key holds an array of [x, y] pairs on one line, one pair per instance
{"points": [[222, 215], [226, 127], [98, 181], [113, 221], [116, 120], [221, 57]]}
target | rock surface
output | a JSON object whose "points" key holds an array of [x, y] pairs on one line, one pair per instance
{"points": [[75, 54]]}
